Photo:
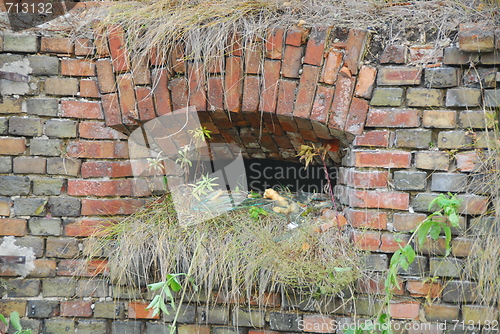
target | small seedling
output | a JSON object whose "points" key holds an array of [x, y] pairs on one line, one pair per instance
{"points": [[15, 321]]}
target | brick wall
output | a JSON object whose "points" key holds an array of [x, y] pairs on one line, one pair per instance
{"points": [[413, 124]]}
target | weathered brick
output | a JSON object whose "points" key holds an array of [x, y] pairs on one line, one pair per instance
{"points": [[84, 47], [448, 182], [332, 66], [35, 243], [269, 89], [44, 226], [375, 262], [81, 109], [76, 308], [441, 77], [84, 268], [491, 58], [467, 161], [312, 323], [14, 185], [376, 199], [10, 105], [341, 102], [145, 104], [78, 67], [432, 160], [384, 159], [62, 247], [97, 150], [9, 306], [28, 206], [387, 97], [111, 206], [137, 310], [187, 314], [463, 97], [106, 169], [455, 56], [394, 76], [96, 288], [99, 188], [424, 97], [316, 45], [373, 138], [439, 118], [57, 45], [64, 206], [30, 165], [42, 107], [43, 308], [411, 138], [56, 326], [251, 94], [23, 288], [89, 88], [286, 97], [84, 326], [404, 310], [492, 98], [366, 219], [98, 130], [357, 40], [274, 44], [126, 327], [61, 86], [306, 91], [109, 310], [393, 54], [84, 227], [473, 38], [407, 180], [45, 147], [422, 200], [5, 204], [417, 268], [213, 316], [197, 329], [473, 204], [462, 247], [366, 82], [20, 42], [5, 164], [116, 38], [426, 54], [13, 226], [12, 146], [441, 312], [44, 65], [407, 222], [479, 314], [460, 292], [284, 321], [233, 84], [458, 139], [292, 61], [43, 268], [445, 267], [4, 126], [25, 126], [63, 166]]}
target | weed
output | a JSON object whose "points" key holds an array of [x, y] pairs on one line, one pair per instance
{"points": [[15, 321]]}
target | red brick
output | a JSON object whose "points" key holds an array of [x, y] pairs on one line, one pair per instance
{"points": [[423, 288], [197, 329], [306, 92], [215, 64], [84, 47], [274, 44], [321, 130], [44, 268], [89, 88], [365, 179], [111, 108], [378, 199], [367, 219], [286, 97], [251, 94], [407, 222], [81, 109], [117, 46], [341, 102], [473, 204], [253, 58], [395, 54], [318, 324], [140, 71], [78, 67], [157, 57], [179, 89], [322, 104], [384, 159], [177, 59], [272, 124], [332, 66], [98, 207], [467, 161], [270, 86], [355, 49], [106, 169], [357, 116], [296, 36], [101, 45], [234, 45], [85, 227], [393, 76], [292, 61], [11, 226], [283, 142], [145, 103], [367, 241], [393, 118], [316, 45], [97, 149], [5, 205], [12, 146], [138, 310], [105, 76], [57, 45], [268, 299], [196, 80], [374, 284], [127, 98], [287, 123], [233, 84], [426, 54], [161, 93], [83, 268], [366, 82], [404, 310], [76, 308], [96, 188], [373, 138], [306, 129], [392, 242]]}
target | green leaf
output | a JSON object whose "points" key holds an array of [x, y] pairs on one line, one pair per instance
{"points": [[173, 283], [435, 231], [409, 252], [2, 318], [454, 219], [423, 231], [41, 208], [153, 302], [15, 320], [156, 286], [342, 270], [447, 233], [163, 307]]}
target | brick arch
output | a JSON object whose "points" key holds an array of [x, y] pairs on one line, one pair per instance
{"points": [[296, 87]]}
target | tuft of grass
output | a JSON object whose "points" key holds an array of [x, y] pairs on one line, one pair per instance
{"points": [[236, 255]]}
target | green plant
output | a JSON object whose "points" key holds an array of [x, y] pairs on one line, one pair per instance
{"points": [[255, 212], [203, 186], [200, 134], [15, 321]]}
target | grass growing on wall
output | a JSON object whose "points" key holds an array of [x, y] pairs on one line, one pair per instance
{"points": [[235, 254]]}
